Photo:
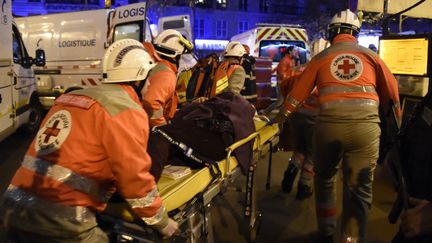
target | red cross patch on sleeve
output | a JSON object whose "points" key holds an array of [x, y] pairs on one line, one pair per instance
{"points": [[80, 101]]}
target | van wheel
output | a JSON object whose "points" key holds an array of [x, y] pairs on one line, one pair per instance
{"points": [[35, 117]]}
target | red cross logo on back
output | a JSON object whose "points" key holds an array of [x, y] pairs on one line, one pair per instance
{"points": [[51, 131], [346, 66]]}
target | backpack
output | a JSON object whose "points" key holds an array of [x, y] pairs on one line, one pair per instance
{"points": [[182, 83], [201, 80]]}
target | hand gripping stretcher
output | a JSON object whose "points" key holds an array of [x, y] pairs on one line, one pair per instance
{"points": [[188, 199]]}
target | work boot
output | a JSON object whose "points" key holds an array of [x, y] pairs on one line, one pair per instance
{"points": [[289, 177], [303, 191]]}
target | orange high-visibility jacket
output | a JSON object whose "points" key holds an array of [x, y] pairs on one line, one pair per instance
{"points": [[346, 75], [310, 105], [91, 143], [161, 99], [285, 69], [229, 76]]}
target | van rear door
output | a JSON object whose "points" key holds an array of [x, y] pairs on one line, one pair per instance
{"points": [[129, 21], [6, 80]]}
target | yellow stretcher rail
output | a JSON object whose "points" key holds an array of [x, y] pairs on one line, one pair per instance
{"points": [[177, 194]]}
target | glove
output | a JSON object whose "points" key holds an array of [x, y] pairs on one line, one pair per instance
{"points": [[282, 116], [170, 229]]}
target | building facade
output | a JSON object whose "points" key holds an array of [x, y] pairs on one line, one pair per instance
{"points": [[212, 19]]}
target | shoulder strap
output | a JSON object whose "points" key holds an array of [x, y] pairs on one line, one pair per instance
{"points": [[188, 152]]}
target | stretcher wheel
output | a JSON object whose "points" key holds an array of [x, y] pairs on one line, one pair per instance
{"points": [[254, 230]]}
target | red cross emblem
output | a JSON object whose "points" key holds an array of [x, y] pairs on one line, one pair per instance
{"points": [[52, 131], [346, 66]]}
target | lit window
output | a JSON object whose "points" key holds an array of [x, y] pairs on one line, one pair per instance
{"points": [[221, 28], [222, 3], [199, 28], [243, 4], [243, 26], [263, 5]]}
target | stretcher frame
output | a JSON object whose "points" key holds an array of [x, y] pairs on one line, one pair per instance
{"points": [[194, 216]]}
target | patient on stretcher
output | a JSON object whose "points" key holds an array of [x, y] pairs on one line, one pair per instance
{"points": [[204, 130], [198, 137]]}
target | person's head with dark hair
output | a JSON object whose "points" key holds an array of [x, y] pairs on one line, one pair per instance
{"points": [[292, 51]]}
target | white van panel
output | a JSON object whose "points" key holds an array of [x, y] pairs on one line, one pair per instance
{"points": [[69, 36], [77, 43]]}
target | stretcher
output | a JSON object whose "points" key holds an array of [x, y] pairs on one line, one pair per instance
{"points": [[188, 199]]}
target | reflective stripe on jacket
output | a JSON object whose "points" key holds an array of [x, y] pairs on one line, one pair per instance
{"points": [[310, 105], [161, 99], [348, 77], [91, 143], [230, 76]]}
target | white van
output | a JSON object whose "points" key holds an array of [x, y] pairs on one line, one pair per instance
{"points": [[19, 105], [182, 23], [75, 43]]}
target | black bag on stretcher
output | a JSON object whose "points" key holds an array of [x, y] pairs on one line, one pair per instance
{"points": [[199, 134]]}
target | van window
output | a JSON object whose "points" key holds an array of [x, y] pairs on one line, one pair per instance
{"points": [[275, 48], [17, 51], [173, 24], [128, 31]]}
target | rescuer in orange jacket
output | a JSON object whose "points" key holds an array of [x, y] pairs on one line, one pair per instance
{"points": [[161, 99], [286, 67], [92, 143], [301, 125], [352, 83], [230, 75]]}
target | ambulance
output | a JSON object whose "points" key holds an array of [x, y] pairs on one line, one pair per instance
{"points": [[19, 105], [270, 41], [75, 44]]}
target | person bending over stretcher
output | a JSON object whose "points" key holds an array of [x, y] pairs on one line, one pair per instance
{"points": [[92, 143]]}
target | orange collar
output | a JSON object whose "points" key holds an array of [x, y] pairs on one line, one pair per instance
{"points": [[344, 38]]}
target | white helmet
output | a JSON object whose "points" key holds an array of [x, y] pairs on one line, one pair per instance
{"points": [[126, 60], [171, 43], [344, 22], [234, 49], [318, 45]]}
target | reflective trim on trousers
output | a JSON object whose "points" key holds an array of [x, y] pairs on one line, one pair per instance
{"points": [[346, 89], [143, 202], [66, 176], [55, 210], [349, 102], [155, 219]]}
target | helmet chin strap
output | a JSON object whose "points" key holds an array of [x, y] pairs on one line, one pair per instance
{"points": [[138, 88]]}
